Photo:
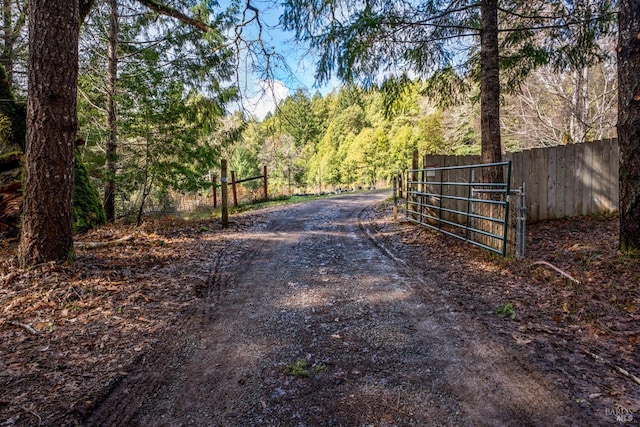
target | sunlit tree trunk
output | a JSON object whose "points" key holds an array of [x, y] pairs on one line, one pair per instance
{"points": [[112, 143], [629, 124], [490, 90], [51, 132]]}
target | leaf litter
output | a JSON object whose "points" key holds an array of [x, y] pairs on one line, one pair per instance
{"points": [[578, 322]]}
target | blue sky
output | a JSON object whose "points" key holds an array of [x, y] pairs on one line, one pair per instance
{"points": [[260, 96]]}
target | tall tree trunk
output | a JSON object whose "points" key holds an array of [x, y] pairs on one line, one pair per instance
{"points": [[112, 143], [147, 183], [8, 40], [629, 124], [490, 90], [51, 132]]}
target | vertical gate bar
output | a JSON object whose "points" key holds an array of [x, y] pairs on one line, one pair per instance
{"points": [[469, 179], [414, 180], [440, 204], [423, 187], [214, 188], [234, 190], [223, 193], [522, 213], [406, 194], [473, 206], [506, 210]]}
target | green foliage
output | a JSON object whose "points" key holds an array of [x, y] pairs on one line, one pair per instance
{"points": [[13, 117], [169, 133], [297, 369], [447, 87], [88, 212], [357, 139], [506, 310], [370, 41], [399, 96]]}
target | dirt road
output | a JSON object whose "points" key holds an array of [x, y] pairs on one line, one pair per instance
{"points": [[308, 320]]}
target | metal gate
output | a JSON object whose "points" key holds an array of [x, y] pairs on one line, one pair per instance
{"points": [[453, 201]]}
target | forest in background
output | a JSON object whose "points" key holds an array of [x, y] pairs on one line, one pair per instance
{"points": [[173, 103]]}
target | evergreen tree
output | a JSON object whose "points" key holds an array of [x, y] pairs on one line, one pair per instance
{"points": [[629, 124], [51, 132], [370, 41]]}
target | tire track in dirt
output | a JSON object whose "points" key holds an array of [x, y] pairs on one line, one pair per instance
{"points": [[153, 369], [375, 343]]}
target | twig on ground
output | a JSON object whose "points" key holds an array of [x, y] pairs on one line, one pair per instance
{"points": [[34, 414], [93, 245], [563, 273], [24, 326], [624, 372]]}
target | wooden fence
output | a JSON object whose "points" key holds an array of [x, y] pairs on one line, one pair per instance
{"points": [[561, 181]]}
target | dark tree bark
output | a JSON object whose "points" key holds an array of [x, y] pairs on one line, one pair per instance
{"points": [[490, 90], [51, 132], [629, 124], [112, 143], [84, 9]]}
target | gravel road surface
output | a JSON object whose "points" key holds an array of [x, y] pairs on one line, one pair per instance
{"points": [[309, 320]]}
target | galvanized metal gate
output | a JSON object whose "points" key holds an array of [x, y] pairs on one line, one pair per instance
{"points": [[455, 202]]}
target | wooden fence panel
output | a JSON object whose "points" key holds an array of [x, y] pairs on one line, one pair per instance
{"points": [[586, 178], [551, 182], [600, 159], [561, 180], [583, 184], [570, 180], [516, 172], [615, 171], [542, 178], [604, 162]]}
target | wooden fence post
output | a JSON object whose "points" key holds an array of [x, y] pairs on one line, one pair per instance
{"points": [[223, 195], [234, 190], [264, 182]]}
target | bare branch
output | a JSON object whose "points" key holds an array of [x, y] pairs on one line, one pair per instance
{"points": [[174, 13]]}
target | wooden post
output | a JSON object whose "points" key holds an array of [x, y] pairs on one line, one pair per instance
{"points": [[234, 191], [214, 188], [400, 184], [264, 182], [223, 195]]}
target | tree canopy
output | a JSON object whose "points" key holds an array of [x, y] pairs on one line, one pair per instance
{"points": [[156, 79], [374, 40]]}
